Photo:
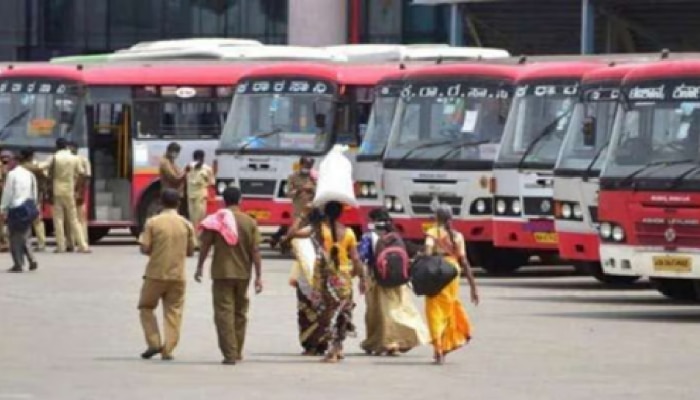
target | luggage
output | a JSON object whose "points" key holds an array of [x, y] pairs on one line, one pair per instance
{"points": [[335, 179], [430, 274], [392, 264]]}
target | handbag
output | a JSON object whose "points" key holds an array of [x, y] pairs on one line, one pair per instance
{"points": [[22, 216]]}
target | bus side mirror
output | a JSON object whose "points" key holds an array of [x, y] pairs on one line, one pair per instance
{"points": [[588, 130]]}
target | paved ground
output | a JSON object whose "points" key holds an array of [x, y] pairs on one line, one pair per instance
{"points": [[71, 331]]}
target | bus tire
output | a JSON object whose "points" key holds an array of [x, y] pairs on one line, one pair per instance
{"points": [[148, 206], [97, 233], [500, 261], [677, 289], [595, 269]]}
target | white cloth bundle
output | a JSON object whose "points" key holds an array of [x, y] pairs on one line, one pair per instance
{"points": [[335, 179]]}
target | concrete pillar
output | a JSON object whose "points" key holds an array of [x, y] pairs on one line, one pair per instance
{"points": [[317, 22], [587, 27]]}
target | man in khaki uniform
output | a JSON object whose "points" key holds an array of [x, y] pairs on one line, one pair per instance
{"points": [[80, 193], [28, 162], [171, 176], [199, 177], [231, 272], [65, 170], [168, 239], [301, 188]]}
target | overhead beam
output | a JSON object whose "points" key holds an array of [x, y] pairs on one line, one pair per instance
{"points": [[587, 27]]}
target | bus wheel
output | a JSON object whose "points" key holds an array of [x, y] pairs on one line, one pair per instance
{"points": [[149, 206], [96, 233], [595, 269], [676, 289], [498, 261]]}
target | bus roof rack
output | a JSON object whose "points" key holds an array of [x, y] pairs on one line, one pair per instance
{"points": [[190, 43]]}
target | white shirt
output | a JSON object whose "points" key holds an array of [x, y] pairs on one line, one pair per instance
{"points": [[20, 185]]}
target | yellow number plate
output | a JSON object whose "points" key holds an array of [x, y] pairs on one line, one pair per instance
{"points": [[259, 214], [678, 264], [545, 237], [427, 225]]}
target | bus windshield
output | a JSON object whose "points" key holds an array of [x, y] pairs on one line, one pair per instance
{"points": [[35, 113], [280, 121], [650, 133], [537, 124], [449, 121], [587, 138], [379, 125]]}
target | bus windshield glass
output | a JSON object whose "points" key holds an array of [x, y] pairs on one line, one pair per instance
{"points": [[379, 125], [287, 116], [589, 131], [537, 124], [34, 113], [449, 121]]}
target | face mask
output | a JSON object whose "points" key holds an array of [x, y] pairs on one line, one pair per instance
{"points": [[305, 171], [371, 226]]}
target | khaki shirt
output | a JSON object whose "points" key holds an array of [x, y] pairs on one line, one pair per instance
{"points": [[300, 197], [170, 238], [234, 262], [170, 175], [85, 165], [65, 169], [198, 182]]}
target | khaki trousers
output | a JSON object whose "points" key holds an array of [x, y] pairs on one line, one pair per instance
{"points": [[4, 240], [82, 221], [231, 315], [64, 211], [172, 294], [39, 232], [197, 208]]}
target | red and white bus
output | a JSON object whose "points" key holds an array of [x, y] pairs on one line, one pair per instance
{"points": [[523, 222], [444, 140], [284, 111], [122, 118], [650, 184], [576, 173]]}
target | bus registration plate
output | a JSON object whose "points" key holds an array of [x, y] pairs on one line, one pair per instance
{"points": [[677, 264], [545, 237], [259, 215]]}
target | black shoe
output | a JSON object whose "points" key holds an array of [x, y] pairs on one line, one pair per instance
{"points": [[167, 357], [33, 266], [148, 354], [15, 269], [228, 361], [70, 250]]}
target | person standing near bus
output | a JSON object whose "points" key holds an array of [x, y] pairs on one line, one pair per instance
{"points": [[80, 191], [4, 242], [66, 170], [199, 177], [167, 239], [172, 176], [29, 163], [301, 189]]}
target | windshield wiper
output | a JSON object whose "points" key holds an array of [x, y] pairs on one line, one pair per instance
{"points": [[589, 168], [424, 146], [680, 178], [545, 132], [263, 135], [458, 147], [626, 180], [12, 121]]}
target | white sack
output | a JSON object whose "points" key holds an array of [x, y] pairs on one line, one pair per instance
{"points": [[335, 179]]}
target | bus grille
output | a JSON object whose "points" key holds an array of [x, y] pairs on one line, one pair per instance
{"points": [[258, 187], [421, 204], [655, 234]]}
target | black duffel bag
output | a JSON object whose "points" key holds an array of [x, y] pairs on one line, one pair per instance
{"points": [[430, 274]]}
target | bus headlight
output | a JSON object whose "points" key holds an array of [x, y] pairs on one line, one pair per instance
{"points": [[372, 190], [618, 234], [501, 206], [578, 211], [480, 206], [364, 190], [516, 206], [283, 189], [605, 230], [393, 204], [566, 211], [398, 207], [389, 203], [220, 187]]}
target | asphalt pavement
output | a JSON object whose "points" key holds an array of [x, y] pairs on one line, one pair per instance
{"points": [[71, 331]]}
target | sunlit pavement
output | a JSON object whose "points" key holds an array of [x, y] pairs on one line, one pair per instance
{"points": [[71, 331]]}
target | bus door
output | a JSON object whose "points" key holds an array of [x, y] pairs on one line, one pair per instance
{"points": [[109, 141]]}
